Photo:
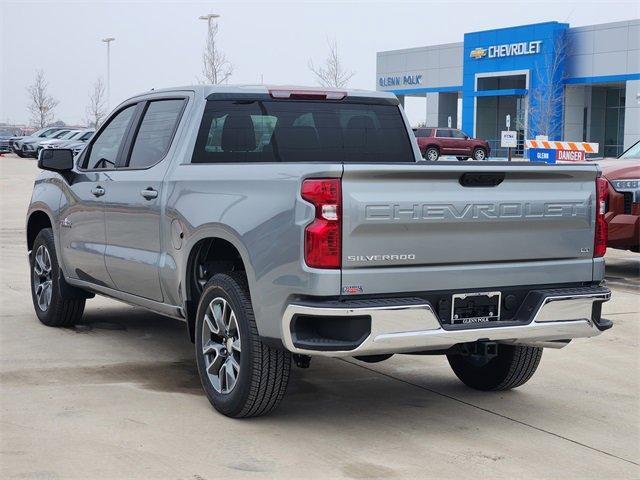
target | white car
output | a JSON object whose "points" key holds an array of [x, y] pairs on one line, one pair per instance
{"points": [[57, 139]]}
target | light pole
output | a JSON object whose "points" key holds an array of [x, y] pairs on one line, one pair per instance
{"points": [[108, 41], [208, 18]]}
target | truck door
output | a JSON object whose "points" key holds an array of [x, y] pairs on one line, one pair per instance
{"points": [[82, 227], [133, 206]]}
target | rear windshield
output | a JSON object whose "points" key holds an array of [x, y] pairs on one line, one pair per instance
{"points": [[301, 131]]}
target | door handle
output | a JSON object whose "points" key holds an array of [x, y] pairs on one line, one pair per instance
{"points": [[97, 191], [149, 193]]}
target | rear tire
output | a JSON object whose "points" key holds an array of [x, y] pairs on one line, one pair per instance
{"points": [[432, 154], [513, 366], [52, 308], [241, 376]]}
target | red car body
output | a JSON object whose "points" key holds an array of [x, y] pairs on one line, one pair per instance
{"points": [[435, 142], [623, 206]]}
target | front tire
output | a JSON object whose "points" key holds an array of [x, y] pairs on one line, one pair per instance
{"points": [[432, 154], [241, 376], [52, 308], [513, 366], [479, 154]]}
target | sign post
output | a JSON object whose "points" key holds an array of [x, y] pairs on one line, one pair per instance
{"points": [[509, 140], [449, 121], [508, 122]]}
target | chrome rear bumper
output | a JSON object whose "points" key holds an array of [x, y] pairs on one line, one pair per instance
{"points": [[561, 315]]}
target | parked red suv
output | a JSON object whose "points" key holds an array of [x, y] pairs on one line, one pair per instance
{"points": [[436, 141]]}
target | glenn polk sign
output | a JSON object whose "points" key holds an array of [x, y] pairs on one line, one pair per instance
{"points": [[509, 139]]}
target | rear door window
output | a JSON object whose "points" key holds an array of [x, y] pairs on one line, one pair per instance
{"points": [[443, 133], [423, 132], [155, 133], [301, 131]]}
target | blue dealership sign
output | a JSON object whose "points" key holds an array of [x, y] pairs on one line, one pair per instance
{"points": [[534, 50]]}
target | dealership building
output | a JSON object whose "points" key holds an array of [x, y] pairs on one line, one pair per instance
{"points": [[574, 84]]}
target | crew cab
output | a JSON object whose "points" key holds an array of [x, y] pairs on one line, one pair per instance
{"points": [[285, 223], [436, 142]]}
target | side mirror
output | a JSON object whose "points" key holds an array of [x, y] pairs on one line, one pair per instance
{"points": [[56, 159]]}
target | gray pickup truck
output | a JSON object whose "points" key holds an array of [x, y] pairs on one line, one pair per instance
{"points": [[284, 223]]}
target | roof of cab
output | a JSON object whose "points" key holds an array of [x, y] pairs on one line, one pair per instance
{"points": [[206, 90]]}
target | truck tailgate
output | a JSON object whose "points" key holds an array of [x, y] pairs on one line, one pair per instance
{"points": [[468, 220]]}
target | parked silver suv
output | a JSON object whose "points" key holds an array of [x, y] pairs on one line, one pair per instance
{"points": [[23, 146], [286, 223]]}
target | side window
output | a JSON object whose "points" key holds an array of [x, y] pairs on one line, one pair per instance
{"points": [[263, 126], [104, 150], [458, 134], [155, 132], [443, 133]]}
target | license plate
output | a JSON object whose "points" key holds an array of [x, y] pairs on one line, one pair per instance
{"points": [[480, 307]]}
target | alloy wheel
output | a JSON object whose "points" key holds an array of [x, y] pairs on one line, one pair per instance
{"points": [[221, 345], [479, 154], [42, 281]]}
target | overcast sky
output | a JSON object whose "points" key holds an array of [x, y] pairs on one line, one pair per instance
{"points": [[159, 44]]}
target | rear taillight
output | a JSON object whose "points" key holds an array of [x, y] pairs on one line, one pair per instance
{"points": [[602, 193], [322, 237]]}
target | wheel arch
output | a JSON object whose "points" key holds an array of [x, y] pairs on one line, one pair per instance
{"points": [[432, 145], [225, 248], [37, 221]]}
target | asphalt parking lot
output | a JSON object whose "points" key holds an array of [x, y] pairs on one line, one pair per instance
{"points": [[119, 397]]}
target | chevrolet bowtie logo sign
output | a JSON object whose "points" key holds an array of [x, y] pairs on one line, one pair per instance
{"points": [[477, 53], [507, 50]]}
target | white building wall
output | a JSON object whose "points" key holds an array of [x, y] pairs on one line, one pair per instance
{"points": [[576, 99], [603, 50], [431, 118], [632, 113], [439, 65]]}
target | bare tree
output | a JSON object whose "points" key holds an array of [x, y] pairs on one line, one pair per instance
{"points": [[546, 98], [215, 66], [333, 73], [96, 109], [41, 104]]}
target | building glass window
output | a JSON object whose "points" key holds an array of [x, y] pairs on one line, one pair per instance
{"points": [[614, 122], [504, 82]]}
